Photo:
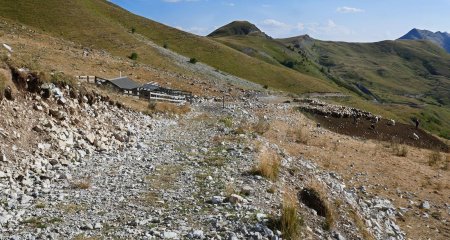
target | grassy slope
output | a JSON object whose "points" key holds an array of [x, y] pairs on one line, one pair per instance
{"points": [[270, 51], [399, 73], [99, 24]]}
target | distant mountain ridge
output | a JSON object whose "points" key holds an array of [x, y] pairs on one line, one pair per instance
{"points": [[440, 38]]}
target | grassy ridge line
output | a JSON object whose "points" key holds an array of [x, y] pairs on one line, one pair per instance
{"points": [[100, 24]]}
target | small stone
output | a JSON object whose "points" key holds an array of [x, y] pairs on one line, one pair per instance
{"points": [[3, 157], [261, 216], [25, 199], [246, 190], [217, 199], [170, 235], [98, 226], [198, 234], [425, 205]]}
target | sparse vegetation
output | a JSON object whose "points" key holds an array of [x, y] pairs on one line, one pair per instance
{"points": [[398, 149], [35, 222], [167, 108], [299, 135], [2, 85], [268, 164], [434, 158], [227, 121], [85, 183]]}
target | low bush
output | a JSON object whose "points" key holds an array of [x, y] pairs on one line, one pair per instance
{"points": [[193, 60]]}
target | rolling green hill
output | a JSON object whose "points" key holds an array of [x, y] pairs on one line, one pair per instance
{"points": [[408, 78], [103, 25]]}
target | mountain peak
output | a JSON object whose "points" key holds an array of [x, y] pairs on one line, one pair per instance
{"points": [[238, 28], [441, 39]]}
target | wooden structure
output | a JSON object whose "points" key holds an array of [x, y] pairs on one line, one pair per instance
{"points": [[150, 91]]}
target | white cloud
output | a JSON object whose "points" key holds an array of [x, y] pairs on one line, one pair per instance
{"points": [[349, 10], [328, 29], [280, 29], [229, 4]]}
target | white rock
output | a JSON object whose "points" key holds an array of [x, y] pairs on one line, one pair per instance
{"points": [[170, 235], [217, 199]]}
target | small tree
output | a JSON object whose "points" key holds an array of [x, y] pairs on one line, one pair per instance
{"points": [[133, 56], [165, 45], [133, 30], [193, 60]]}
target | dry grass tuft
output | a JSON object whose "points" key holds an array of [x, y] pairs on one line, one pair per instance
{"points": [[268, 164], [168, 108], [434, 158], [85, 183], [290, 220], [398, 149], [299, 135]]}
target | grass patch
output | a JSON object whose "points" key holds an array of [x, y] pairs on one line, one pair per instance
{"points": [[227, 121], [268, 164], [299, 135], [434, 158], [168, 108], [290, 220], [2, 85], [84, 184], [35, 222], [71, 208], [360, 225], [398, 149]]}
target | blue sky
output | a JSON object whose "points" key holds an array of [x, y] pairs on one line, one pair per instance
{"points": [[337, 20]]}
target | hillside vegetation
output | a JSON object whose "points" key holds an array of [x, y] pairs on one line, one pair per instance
{"points": [[409, 79], [100, 24]]}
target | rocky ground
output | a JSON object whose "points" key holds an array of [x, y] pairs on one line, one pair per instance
{"points": [[70, 169]]}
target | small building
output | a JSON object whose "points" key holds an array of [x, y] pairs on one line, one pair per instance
{"points": [[124, 85], [145, 90]]}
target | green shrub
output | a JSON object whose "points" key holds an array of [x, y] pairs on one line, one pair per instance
{"points": [[133, 56], [193, 60], [133, 30]]}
